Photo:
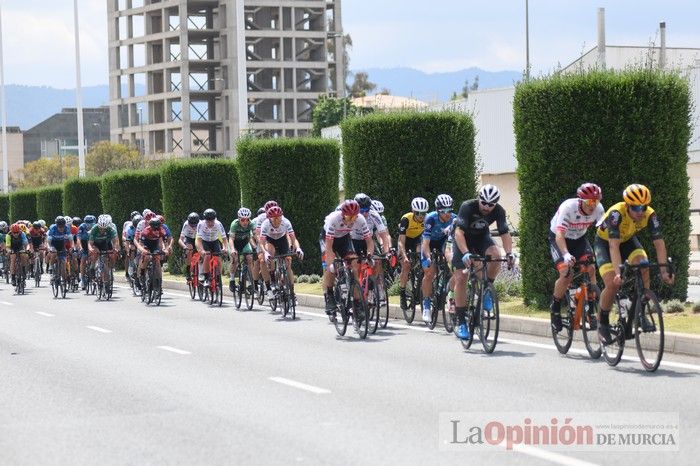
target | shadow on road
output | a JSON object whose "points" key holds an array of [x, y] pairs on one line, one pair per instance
{"points": [[498, 354]]}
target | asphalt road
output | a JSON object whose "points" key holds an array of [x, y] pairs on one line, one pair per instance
{"points": [[86, 382]]}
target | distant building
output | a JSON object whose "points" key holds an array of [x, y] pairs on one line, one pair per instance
{"points": [[58, 134], [15, 151], [388, 102]]}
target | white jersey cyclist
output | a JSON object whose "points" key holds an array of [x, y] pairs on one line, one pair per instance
{"points": [[335, 227], [211, 233], [269, 231], [188, 231], [572, 221]]}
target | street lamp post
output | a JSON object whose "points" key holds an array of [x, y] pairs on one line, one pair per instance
{"points": [[79, 96], [527, 42], [5, 167], [142, 149]]}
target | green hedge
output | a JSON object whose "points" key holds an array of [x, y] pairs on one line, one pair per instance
{"points": [[23, 205], [49, 203], [300, 174], [395, 157], [195, 185], [129, 190], [4, 207], [81, 197], [611, 128]]}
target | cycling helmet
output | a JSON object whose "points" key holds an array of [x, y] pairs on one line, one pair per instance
{"points": [[193, 219], [261, 210], [350, 208], [90, 219], [269, 204], [69, 219], [148, 216], [637, 194], [589, 191], [60, 221], [274, 211], [134, 214], [489, 193], [209, 214], [104, 221], [418, 204], [155, 223], [363, 200], [36, 225], [15, 228], [443, 201], [146, 212], [244, 212], [378, 206], [3, 225], [161, 218], [136, 220], [42, 223], [77, 221]]}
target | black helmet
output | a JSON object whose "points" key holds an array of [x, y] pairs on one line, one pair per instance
{"points": [[136, 219], [77, 221], [193, 218], [209, 214], [364, 200], [154, 222], [261, 210], [36, 224], [134, 214], [60, 221]]}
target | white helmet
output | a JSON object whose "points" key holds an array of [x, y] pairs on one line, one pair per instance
{"points": [[69, 220], [378, 206], [104, 221], [244, 212], [443, 201], [489, 193], [419, 204], [42, 222]]}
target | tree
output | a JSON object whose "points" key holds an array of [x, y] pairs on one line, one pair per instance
{"points": [[475, 84], [330, 111], [361, 85], [467, 87], [47, 171], [385, 91], [105, 156]]}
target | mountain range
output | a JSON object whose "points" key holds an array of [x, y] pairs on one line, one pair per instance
{"points": [[30, 105]]}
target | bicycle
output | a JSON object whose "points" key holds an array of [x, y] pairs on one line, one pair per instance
{"points": [[38, 266], [368, 283], [383, 289], [20, 273], [105, 286], [634, 302], [151, 286], [73, 272], [350, 302], [5, 266], [284, 288], [132, 267], [439, 296], [59, 283], [581, 309], [194, 285], [414, 293], [246, 286], [488, 321], [214, 292]]}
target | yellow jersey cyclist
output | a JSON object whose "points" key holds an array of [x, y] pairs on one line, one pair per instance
{"points": [[616, 241], [241, 237], [410, 232], [568, 243]]}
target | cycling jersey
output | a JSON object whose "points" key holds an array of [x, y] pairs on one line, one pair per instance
{"points": [[84, 231], [152, 234], [473, 223], [129, 233], [374, 225], [240, 232], [335, 227], [618, 224], [188, 231], [572, 221], [436, 230], [16, 242], [258, 221], [55, 235], [409, 226], [126, 225], [98, 235], [215, 232], [269, 231], [167, 231]]}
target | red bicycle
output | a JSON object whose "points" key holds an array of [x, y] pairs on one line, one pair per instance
{"points": [[214, 293], [193, 283]]}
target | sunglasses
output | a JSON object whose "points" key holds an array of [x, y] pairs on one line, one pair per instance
{"points": [[364, 210], [445, 211], [638, 208], [591, 202], [487, 204], [419, 214], [349, 218]]}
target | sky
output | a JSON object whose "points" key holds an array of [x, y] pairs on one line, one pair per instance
{"points": [[430, 36]]}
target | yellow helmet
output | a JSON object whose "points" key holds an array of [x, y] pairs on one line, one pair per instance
{"points": [[637, 194]]}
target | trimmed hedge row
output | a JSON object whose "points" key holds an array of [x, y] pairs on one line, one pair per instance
{"points": [[81, 197], [312, 167], [610, 128], [49, 203], [4, 207], [23, 205], [128, 190], [195, 185], [395, 157]]}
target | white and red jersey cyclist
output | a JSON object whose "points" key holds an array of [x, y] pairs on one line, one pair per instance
{"points": [[572, 221]]}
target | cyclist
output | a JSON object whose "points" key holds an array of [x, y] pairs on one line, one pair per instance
{"points": [[276, 236], [37, 239], [410, 231], [616, 241], [337, 226], [16, 241], [103, 237], [436, 230], [241, 237], [568, 243], [379, 207], [150, 241], [83, 239], [130, 249], [128, 223], [4, 229], [128, 244], [60, 239], [209, 239], [168, 238], [471, 235], [188, 233], [379, 232]]}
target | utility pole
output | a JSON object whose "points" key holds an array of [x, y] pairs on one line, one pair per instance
{"points": [[527, 41], [79, 96], [5, 166]]}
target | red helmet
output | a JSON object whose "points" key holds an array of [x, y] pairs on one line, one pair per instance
{"points": [[15, 229], [149, 216], [161, 218], [274, 211], [350, 208], [589, 191], [269, 204]]}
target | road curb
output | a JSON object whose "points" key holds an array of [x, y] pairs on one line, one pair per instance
{"points": [[678, 343]]}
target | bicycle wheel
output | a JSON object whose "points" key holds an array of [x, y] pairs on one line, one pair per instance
{"points": [[490, 321], [55, 280], [100, 288], [109, 286], [471, 315], [192, 289], [37, 272], [248, 288], [219, 291], [340, 316], [409, 313], [239, 290], [360, 312], [384, 304], [260, 292], [564, 338], [158, 291], [650, 343], [588, 330], [64, 288], [373, 306], [612, 353]]}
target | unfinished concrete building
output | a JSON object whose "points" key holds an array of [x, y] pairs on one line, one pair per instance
{"points": [[189, 77]]}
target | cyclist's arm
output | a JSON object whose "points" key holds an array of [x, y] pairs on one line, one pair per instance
{"points": [[198, 244], [507, 241], [294, 241], [385, 239], [560, 239], [460, 241], [425, 247], [115, 243]]}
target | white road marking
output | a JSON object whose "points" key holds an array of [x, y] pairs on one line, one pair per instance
{"points": [[549, 456], [299, 385], [174, 350], [45, 314], [7, 303], [98, 329]]}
